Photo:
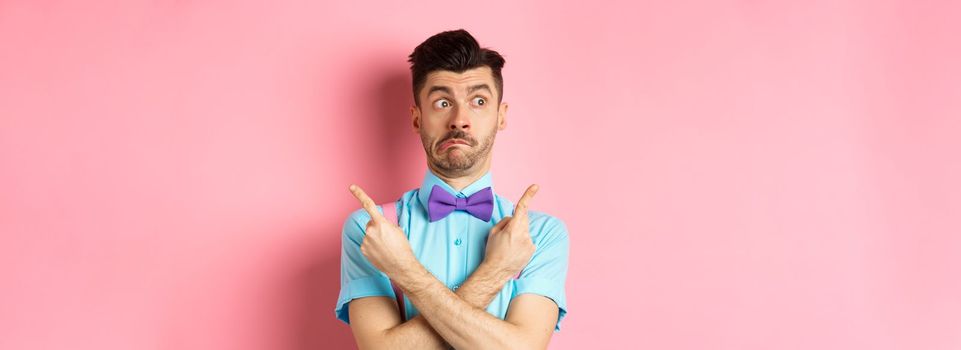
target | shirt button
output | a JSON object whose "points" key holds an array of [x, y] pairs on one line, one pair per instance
{"points": [[457, 241]]}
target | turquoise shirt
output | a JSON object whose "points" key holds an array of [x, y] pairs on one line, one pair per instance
{"points": [[452, 248]]}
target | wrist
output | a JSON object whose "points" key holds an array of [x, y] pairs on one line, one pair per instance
{"points": [[414, 278], [481, 287], [401, 267], [495, 272]]}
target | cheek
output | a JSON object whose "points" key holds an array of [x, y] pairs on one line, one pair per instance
{"points": [[488, 121], [432, 124], [428, 140]]}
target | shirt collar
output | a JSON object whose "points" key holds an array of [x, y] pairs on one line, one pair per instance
{"points": [[430, 180]]}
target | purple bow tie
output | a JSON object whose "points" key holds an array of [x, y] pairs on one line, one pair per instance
{"points": [[440, 204]]}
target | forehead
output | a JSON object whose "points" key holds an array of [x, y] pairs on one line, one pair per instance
{"points": [[460, 82]]}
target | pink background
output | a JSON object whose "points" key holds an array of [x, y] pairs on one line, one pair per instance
{"points": [[734, 174]]}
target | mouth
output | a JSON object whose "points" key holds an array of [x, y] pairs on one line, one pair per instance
{"points": [[452, 142]]}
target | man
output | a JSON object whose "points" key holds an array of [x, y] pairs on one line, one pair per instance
{"points": [[475, 271]]}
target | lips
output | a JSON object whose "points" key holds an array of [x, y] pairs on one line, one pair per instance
{"points": [[452, 142]]}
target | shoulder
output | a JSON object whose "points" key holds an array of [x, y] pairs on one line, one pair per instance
{"points": [[355, 225], [546, 228], [359, 217]]}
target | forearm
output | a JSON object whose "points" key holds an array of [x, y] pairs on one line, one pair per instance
{"points": [[478, 290], [416, 333], [463, 323]]}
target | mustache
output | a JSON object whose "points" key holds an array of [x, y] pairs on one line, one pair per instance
{"points": [[460, 135]]}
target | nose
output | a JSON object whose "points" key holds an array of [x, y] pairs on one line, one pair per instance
{"points": [[460, 120]]}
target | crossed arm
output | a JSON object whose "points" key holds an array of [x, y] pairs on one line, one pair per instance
{"points": [[457, 318], [460, 316]]}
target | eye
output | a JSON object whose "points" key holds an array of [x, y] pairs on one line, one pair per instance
{"points": [[480, 101], [442, 103]]}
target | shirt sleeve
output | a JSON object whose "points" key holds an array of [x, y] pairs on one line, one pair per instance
{"points": [[546, 273], [358, 277]]}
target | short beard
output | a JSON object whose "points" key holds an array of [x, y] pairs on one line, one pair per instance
{"points": [[462, 165]]}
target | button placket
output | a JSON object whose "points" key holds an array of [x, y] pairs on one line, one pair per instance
{"points": [[461, 202]]}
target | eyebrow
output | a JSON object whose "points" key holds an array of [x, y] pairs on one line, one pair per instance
{"points": [[447, 90], [438, 88], [479, 87]]}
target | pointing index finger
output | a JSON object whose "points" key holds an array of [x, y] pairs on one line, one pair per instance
{"points": [[365, 201], [521, 208]]}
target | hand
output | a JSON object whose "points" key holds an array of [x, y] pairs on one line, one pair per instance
{"points": [[385, 244], [509, 245]]}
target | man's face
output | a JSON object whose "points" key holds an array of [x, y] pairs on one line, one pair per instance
{"points": [[457, 119]]}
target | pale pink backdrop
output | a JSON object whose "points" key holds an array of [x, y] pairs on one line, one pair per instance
{"points": [[734, 174]]}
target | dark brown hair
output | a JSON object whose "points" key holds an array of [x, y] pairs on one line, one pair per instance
{"points": [[456, 51]]}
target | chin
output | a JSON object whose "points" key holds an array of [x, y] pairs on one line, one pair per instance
{"points": [[457, 163]]}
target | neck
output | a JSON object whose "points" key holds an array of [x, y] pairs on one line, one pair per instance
{"points": [[461, 180]]}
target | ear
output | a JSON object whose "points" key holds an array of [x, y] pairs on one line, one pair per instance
{"points": [[415, 118], [502, 116]]}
